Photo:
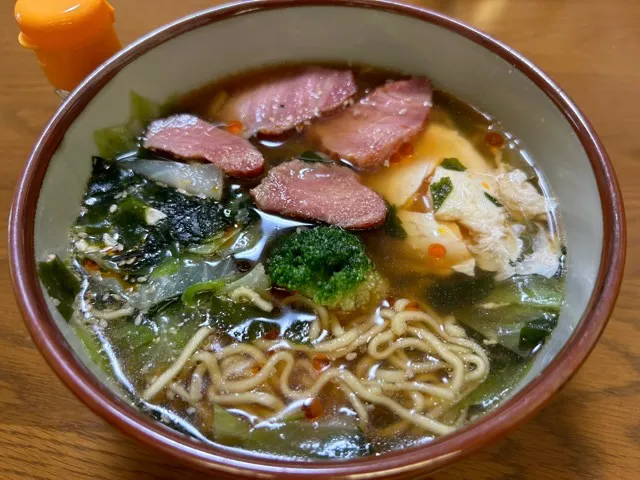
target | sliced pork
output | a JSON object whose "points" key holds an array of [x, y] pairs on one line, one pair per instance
{"points": [[279, 103], [189, 137], [317, 191], [373, 129]]}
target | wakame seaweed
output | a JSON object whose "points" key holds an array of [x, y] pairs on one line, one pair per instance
{"points": [[313, 157], [493, 199], [518, 314], [393, 226], [536, 331], [61, 284], [460, 291], [453, 164], [440, 190], [129, 224], [507, 369]]}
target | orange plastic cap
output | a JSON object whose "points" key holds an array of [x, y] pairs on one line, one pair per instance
{"points": [[69, 37], [62, 23]]}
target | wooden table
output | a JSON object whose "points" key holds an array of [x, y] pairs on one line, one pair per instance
{"points": [[591, 430]]}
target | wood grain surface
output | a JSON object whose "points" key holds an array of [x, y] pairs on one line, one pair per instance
{"points": [[592, 428]]}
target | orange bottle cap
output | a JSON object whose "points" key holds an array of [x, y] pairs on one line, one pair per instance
{"points": [[69, 37], [62, 23]]}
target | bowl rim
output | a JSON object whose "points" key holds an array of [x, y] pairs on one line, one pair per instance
{"points": [[425, 458]]}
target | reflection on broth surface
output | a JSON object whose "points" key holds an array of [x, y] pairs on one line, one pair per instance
{"points": [[312, 261]]}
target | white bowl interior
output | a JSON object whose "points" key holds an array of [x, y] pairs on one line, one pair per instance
{"points": [[339, 33]]}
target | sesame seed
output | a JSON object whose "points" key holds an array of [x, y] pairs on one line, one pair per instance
{"points": [[113, 208], [153, 216], [108, 240], [82, 245]]}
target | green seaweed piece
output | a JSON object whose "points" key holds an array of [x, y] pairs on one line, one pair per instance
{"points": [[536, 331], [453, 164], [393, 226], [130, 225], [519, 313], [313, 157], [440, 190], [61, 284], [493, 199], [459, 291]]}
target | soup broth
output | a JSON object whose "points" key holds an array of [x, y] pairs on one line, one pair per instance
{"points": [[256, 310]]}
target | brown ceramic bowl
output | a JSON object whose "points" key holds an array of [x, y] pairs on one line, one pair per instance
{"points": [[223, 40]]}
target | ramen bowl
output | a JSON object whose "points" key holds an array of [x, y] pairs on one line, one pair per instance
{"points": [[227, 39]]}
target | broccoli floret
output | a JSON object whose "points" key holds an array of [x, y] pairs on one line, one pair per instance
{"points": [[328, 265]]}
